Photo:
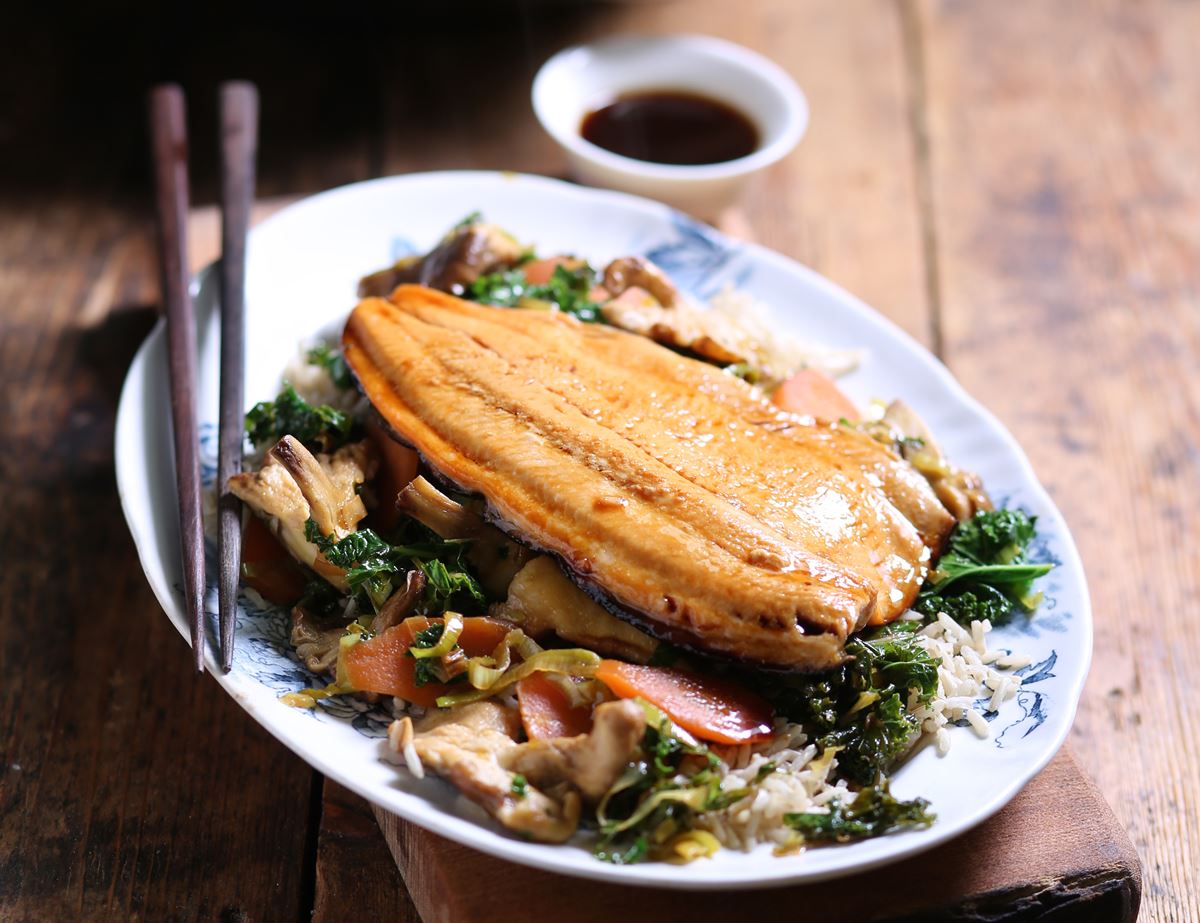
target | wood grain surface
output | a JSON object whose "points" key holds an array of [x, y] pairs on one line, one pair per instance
{"points": [[1016, 184], [1068, 220]]}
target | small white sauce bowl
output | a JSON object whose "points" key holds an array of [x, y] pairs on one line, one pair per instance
{"points": [[584, 78]]}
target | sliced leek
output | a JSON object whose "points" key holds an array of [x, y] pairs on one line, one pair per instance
{"points": [[453, 627], [572, 661]]}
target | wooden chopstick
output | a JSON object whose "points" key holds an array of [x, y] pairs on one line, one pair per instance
{"points": [[168, 131], [239, 143]]}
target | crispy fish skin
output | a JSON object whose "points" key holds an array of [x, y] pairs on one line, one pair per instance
{"points": [[678, 528], [687, 563], [903, 485], [834, 490]]}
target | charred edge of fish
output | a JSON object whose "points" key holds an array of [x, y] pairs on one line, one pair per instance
{"points": [[671, 634]]}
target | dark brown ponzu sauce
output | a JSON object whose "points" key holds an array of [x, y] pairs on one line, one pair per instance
{"points": [[668, 126]]}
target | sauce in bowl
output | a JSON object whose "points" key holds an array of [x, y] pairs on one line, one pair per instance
{"points": [[673, 127]]}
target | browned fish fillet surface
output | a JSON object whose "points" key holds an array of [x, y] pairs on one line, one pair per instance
{"points": [[669, 489]]}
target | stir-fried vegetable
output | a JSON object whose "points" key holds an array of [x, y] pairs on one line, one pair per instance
{"points": [[874, 811], [659, 794], [443, 584], [267, 567], [713, 709], [568, 290], [488, 679], [399, 465], [437, 640], [321, 427], [984, 575], [331, 360], [374, 566], [862, 707], [540, 271], [812, 393], [547, 710], [381, 664]]}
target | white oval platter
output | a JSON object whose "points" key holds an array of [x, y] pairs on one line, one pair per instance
{"points": [[303, 265]]}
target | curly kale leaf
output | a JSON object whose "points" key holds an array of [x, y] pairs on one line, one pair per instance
{"points": [[873, 812], [368, 560], [429, 637], [862, 706], [443, 585], [320, 427], [994, 537], [870, 745], [984, 575], [568, 291], [502, 289], [321, 598], [334, 363], [376, 566], [982, 603]]}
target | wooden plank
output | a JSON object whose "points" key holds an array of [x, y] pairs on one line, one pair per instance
{"points": [[843, 204], [1079, 866], [1064, 189], [356, 877], [128, 787]]}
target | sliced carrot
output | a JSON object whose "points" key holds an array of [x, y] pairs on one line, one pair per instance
{"points": [[814, 394], [398, 468], [481, 634], [381, 665], [539, 272], [711, 708], [546, 709], [267, 567]]}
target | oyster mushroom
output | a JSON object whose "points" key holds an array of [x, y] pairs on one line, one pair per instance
{"points": [[400, 604], [629, 272], [316, 640], [495, 556], [467, 746], [960, 491], [590, 762], [294, 485], [474, 747], [463, 256]]}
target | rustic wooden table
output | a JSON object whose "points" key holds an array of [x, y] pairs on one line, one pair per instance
{"points": [[1017, 185]]}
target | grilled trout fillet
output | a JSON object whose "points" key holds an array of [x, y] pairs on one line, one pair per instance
{"points": [[674, 493]]}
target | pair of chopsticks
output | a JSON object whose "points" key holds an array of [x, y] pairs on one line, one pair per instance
{"points": [[239, 142]]}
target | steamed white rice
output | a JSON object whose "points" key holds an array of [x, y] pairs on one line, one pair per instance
{"points": [[314, 383], [746, 322]]}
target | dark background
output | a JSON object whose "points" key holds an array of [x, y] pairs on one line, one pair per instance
{"points": [[333, 85]]}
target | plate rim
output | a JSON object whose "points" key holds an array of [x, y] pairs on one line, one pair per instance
{"points": [[459, 829]]}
